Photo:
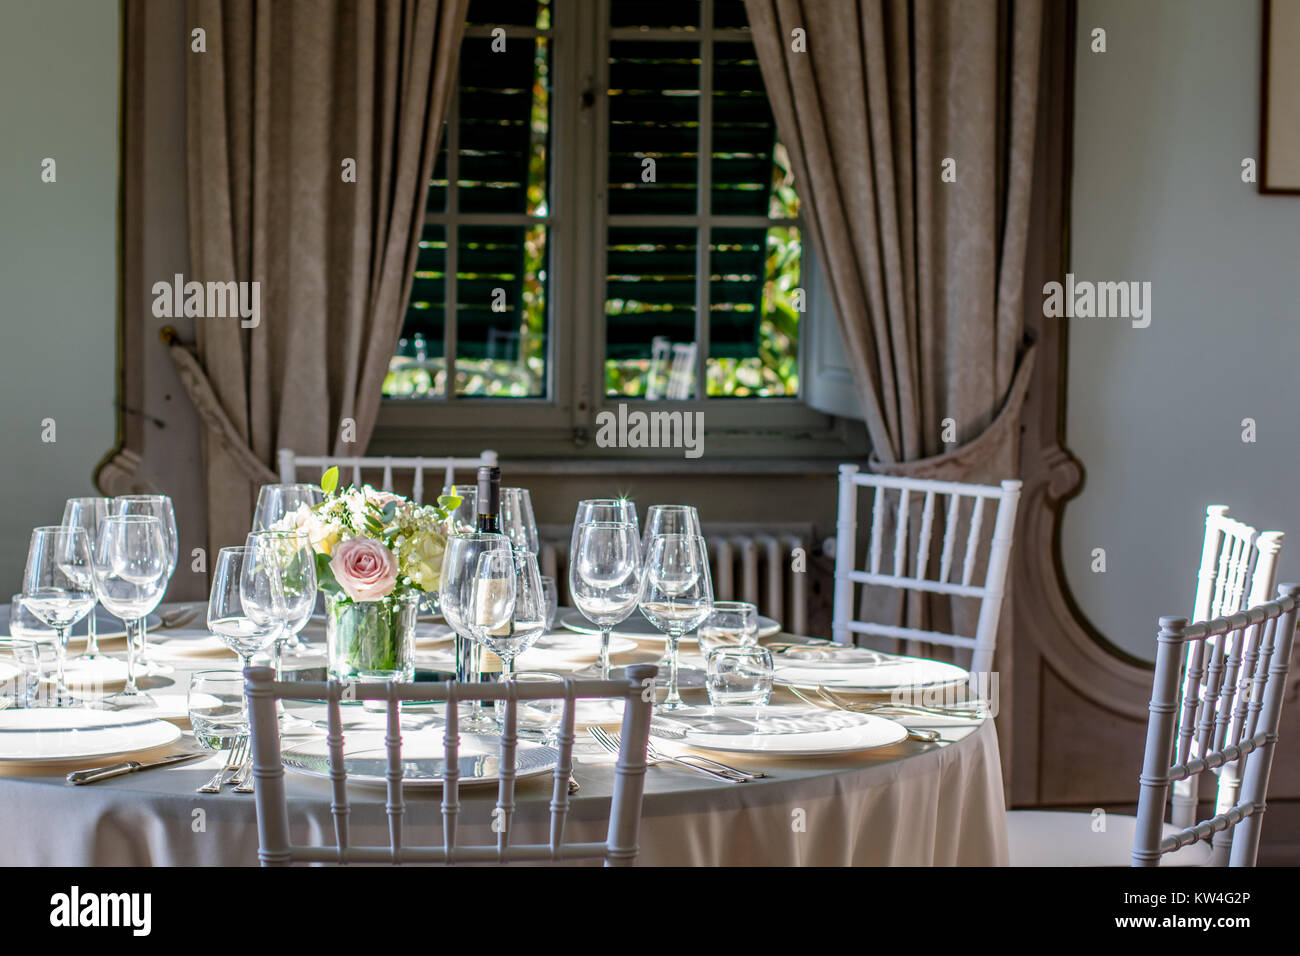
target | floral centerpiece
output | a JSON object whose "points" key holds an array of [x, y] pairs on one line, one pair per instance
{"points": [[377, 554]]}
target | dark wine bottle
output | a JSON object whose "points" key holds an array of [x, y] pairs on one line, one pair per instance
{"points": [[489, 500]]}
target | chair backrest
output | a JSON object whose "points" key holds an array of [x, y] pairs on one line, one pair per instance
{"points": [[914, 569], [619, 848], [289, 463], [1238, 570], [1233, 718], [677, 383]]}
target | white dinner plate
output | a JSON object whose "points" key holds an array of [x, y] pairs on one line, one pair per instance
{"points": [[365, 758], [862, 670], [191, 645], [781, 730], [56, 734], [106, 673], [638, 628], [576, 646]]}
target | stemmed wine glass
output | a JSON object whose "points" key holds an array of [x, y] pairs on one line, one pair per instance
{"points": [[512, 579], [88, 514], [274, 502], [130, 566], [605, 577], [677, 595], [602, 509], [517, 521], [160, 506], [246, 605], [459, 565], [669, 519], [295, 561], [58, 586]]}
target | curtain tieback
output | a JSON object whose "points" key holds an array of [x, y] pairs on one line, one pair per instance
{"points": [[968, 459], [210, 410]]}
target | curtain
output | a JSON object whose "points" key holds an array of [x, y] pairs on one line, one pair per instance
{"points": [[911, 126], [313, 127]]}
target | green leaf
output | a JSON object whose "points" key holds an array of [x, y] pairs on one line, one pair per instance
{"points": [[449, 502], [325, 579], [389, 511], [330, 480]]}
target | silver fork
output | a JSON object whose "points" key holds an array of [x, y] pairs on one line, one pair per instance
{"points": [[243, 780], [234, 757], [611, 743], [676, 733]]}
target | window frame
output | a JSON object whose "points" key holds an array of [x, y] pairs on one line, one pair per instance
{"points": [[577, 224]]}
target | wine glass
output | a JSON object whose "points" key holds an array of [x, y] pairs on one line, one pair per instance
{"points": [[58, 585], [274, 502], [160, 506], [669, 519], [130, 566], [488, 598], [677, 595], [88, 514], [526, 621], [459, 565], [605, 577], [295, 561], [246, 605], [601, 509], [517, 521]]}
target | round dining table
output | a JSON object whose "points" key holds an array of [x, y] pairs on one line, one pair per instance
{"points": [[914, 803]]}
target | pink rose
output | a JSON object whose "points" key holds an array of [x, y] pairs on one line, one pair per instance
{"points": [[364, 568]]}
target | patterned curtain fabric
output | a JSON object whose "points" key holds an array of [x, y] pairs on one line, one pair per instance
{"points": [[911, 126], [284, 99]]}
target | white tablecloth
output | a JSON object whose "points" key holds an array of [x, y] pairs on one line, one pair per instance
{"points": [[914, 804]]}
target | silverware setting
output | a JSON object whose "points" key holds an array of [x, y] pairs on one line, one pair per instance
{"points": [[234, 760], [885, 709], [710, 768]]}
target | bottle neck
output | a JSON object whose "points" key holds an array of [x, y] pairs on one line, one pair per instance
{"points": [[489, 506]]}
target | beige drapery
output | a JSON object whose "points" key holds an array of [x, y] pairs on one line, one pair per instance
{"points": [[283, 99], [880, 103]]}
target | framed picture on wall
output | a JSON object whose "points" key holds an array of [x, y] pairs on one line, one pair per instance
{"points": [[1279, 127]]}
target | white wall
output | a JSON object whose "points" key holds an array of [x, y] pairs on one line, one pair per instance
{"points": [[1163, 120], [59, 81]]}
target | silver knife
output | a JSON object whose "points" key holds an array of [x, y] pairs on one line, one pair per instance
{"points": [[95, 774]]}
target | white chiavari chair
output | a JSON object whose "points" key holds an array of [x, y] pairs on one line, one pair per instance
{"points": [[448, 466], [1238, 570], [1234, 717], [275, 847], [916, 569]]}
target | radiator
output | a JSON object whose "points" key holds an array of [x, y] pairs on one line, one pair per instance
{"points": [[748, 563]]}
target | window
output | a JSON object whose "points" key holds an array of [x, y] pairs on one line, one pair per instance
{"points": [[612, 218]]}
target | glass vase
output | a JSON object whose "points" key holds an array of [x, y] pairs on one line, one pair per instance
{"points": [[372, 640]]}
